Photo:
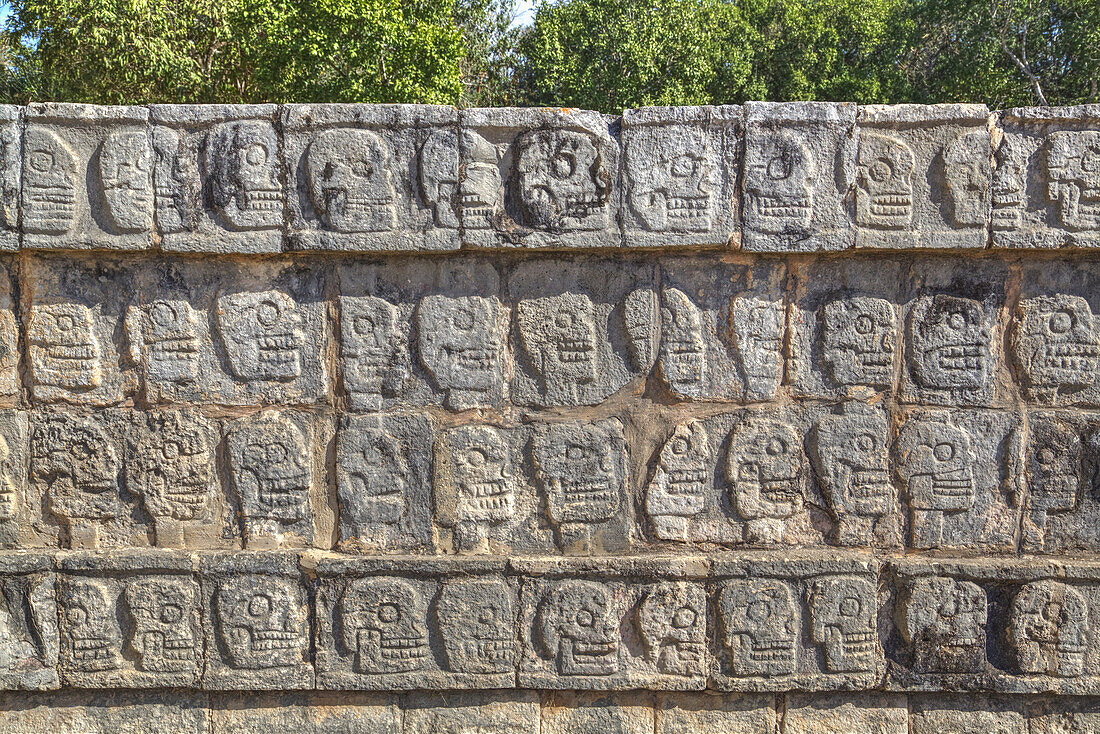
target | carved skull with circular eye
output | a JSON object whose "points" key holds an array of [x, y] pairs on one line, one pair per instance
{"points": [[261, 621], [65, 351], [165, 340], [375, 356], [164, 634], [558, 333], [779, 181], [49, 189], [858, 337], [672, 620], [384, 622], [1048, 628], [1009, 184], [373, 477], [476, 475], [850, 456], [935, 463], [681, 481], [682, 357], [578, 629], [477, 623], [461, 343], [766, 469], [90, 639], [580, 467], [884, 185], [172, 467], [943, 621], [759, 626], [263, 335], [269, 461], [1053, 465], [671, 191], [561, 182], [125, 173], [1055, 342], [1073, 166], [949, 339], [76, 463], [241, 158], [842, 616], [350, 181], [967, 175]]}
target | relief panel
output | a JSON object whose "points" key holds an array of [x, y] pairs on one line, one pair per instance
{"points": [[11, 176], [28, 623]]}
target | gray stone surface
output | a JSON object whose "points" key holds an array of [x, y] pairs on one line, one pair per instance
{"points": [[11, 175], [882, 714], [318, 713]]}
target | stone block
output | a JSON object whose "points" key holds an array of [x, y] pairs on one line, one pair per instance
{"points": [[799, 167], [883, 714], [10, 352], [440, 713], [590, 713], [129, 712], [681, 167], [28, 623], [11, 175], [1045, 192], [372, 177], [539, 178], [305, 713], [957, 715], [20, 504], [710, 713], [923, 176], [219, 178], [87, 178]]}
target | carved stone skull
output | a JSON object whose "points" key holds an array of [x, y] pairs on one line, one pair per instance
{"points": [[578, 628], [682, 357], [558, 333], [9, 493], [76, 463], [671, 175], [475, 476], [672, 621], [164, 627], [561, 184], [477, 623], [967, 176], [49, 189], [1009, 186], [242, 163], [90, 639], [766, 470], [125, 173], [173, 465], [779, 180], [858, 335], [350, 182], [462, 342], [949, 339], [261, 621], [580, 467], [1052, 467], [373, 478], [757, 327], [934, 461], [174, 174], [1055, 342], [375, 358], [384, 622], [263, 335], [884, 182], [943, 622], [270, 463], [759, 627], [65, 351], [842, 616], [1048, 629], [165, 339], [681, 481], [1073, 168]]}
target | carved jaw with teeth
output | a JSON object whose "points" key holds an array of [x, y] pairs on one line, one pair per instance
{"points": [[398, 653], [783, 210], [279, 350], [490, 500], [591, 657], [258, 641], [1067, 363], [690, 482], [688, 212], [959, 358], [575, 350], [896, 207], [478, 360], [587, 501], [494, 652], [356, 208], [869, 488], [858, 648], [174, 651], [94, 653], [184, 349], [772, 653], [954, 487], [259, 200], [284, 493], [70, 365]]}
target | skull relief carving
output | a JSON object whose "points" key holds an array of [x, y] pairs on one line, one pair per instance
{"points": [[49, 191], [350, 182], [1052, 470], [578, 629], [462, 344], [477, 623], [164, 627], [884, 185], [439, 176], [241, 160], [1048, 628], [173, 173], [757, 327], [373, 479], [858, 336], [561, 183], [261, 622], [164, 337], [681, 481], [672, 620], [842, 616], [682, 358], [1073, 165], [481, 190], [766, 474], [9, 493], [475, 482], [125, 164], [949, 343], [779, 180], [558, 334], [674, 192], [90, 640], [76, 463], [270, 463], [262, 334], [1009, 186], [759, 627], [172, 466], [376, 363], [943, 621], [65, 351], [384, 623], [934, 461], [966, 173], [1056, 344]]}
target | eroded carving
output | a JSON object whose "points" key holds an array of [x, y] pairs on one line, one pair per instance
{"points": [[1073, 167], [64, 349], [681, 481], [966, 174], [672, 621], [949, 341], [779, 180], [242, 163], [384, 622], [943, 622], [163, 635], [884, 182], [858, 336], [90, 639], [1052, 470], [477, 623], [350, 182], [759, 627], [164, 339], [125, 166], [561, 183], [172, 467], [1048, 628], [172, 177], [757, 327], [558, 333], [270, 462], [475, 482], [261, 622], [439, 177], [672, 191], [766, 475], [578, 629], [1055, 344], [49, 185], [682, 357], [462, 342], [842, 622], [375, 352], [373, 481], [263, 335], [1009, 186], [934, 461], [9, 492]]}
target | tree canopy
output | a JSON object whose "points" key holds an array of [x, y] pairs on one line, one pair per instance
{"points": [[600, 54]]}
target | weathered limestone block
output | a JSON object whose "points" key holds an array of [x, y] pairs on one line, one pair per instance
{"points": [[799, 167], [1046, 193], [28, 623], [613, 624], [680, 174], [402, 624], [130, 620], [20, 502], [312, 713], [864, 712], [256, 621], [432, 713], [372, 177], [539, 178], [10, 353], [802, 621], [218, 177], [923, 176], [958, 714], [590, 713], [80, 713], [11, 175], [709, 713], [87, 178]]}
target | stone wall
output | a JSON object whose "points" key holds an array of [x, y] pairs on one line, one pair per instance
{"points": [[332, 418]]}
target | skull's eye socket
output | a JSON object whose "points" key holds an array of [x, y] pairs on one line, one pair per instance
{"points": [[476, 457], [267, 313], [865, 442], [864, 324], [170, 614], [956, 320], [259, 606], [758, 610], [41, 160], [463, 319], [486, 615], [65, 322], [362, 169], [77, 616], [585, 618], [781, 166], [363, 325], [389, 613], [943, 451], [1052, 611], [679, 446], [1090, 161], [1060, 322], [683, 618], [276, 453], [81, 449], [564, 320], [574, 452], [850, 606], [1046, 455], [255, 155], [162, 314], [776, 447], [171, 450], [682, 166], [881, 170], [563, 165]]}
